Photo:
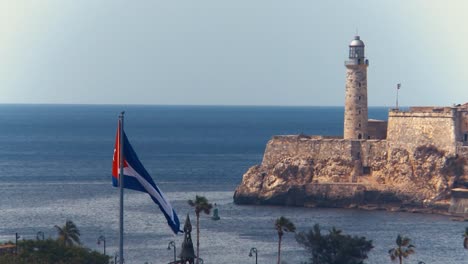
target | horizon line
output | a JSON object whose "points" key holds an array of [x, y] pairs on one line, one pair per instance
{"points": [[185, 105]]}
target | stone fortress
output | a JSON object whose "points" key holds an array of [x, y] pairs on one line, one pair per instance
{"points": [[414, 162]]}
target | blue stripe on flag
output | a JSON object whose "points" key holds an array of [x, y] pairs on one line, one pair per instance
{"points": [[133, 183]]}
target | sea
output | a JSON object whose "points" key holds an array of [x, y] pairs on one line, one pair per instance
{"points": [[55, 164]]}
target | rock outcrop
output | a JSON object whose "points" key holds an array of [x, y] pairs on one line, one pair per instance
{"points": [[304, 171]]}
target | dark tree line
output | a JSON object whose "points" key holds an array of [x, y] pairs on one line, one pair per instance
{"points": [[66, 249], [51, 251], [334, 247]]}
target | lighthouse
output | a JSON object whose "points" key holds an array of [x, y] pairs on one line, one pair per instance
{"points": [[355, 114]]}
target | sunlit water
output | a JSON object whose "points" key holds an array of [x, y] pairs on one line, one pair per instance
{"points": [[55, 165]]}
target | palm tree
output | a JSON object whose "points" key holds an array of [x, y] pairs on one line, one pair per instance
{"points": [[465, 240], [201, 205], [68, 234], [282, 225], [403, 249]]}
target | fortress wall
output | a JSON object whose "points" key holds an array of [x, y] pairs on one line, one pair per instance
{"points": [[462, 151], [462, 117], [410, 130], [374, 152], [281, 147], [377, 129], [428, 109], [371, 153]]}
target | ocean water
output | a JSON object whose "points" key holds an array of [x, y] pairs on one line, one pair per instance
{"points": [[55, 164]]}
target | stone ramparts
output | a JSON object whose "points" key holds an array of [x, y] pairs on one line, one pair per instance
{"points": [[409, 130], [283, 147], [369, 152]]}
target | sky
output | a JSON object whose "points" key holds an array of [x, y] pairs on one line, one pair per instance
{"points": [[238, 52]]}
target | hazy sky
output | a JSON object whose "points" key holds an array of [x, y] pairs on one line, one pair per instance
{"points": [[238, 52]]}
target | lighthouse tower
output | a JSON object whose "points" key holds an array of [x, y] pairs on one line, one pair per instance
{"points": [[355, 119]]}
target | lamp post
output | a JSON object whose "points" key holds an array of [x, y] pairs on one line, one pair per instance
{"points": [[40, 235], [116, 257], [172, 244], [102, 239], [397, 89], [16, 242], [253, 250]]}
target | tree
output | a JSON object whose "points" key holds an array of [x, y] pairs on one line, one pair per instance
{"points": [[201, 205], [335, 247], [68, 234], [403, 249], [282, 225], [465, 240]]}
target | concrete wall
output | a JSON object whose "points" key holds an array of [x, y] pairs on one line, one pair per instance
{"points": [[409, 130]]}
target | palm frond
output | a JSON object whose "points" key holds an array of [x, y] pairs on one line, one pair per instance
{"points": [[403, 249], [191, 203], [201, 204], [398, 240], [69, 234], [405, 242], [283, 224]]}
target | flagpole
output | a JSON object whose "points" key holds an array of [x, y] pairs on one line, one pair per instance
{"points": [[121, 187]]}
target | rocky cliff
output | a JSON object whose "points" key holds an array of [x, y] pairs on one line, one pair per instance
{"points": [[305, 171]]}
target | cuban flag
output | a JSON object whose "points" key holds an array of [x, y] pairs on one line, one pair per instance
{"points": [[137, 178]]}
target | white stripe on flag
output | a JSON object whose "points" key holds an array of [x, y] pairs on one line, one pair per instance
{"points": [[129, 171]]}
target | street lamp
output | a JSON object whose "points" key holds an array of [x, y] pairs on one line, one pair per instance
{"points": [[253, 250], [40, 235], [172, 244], [102, 239], [16, 242], [116, 257]]}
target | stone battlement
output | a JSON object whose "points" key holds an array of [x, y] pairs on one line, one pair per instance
{"points": [[410, 129], [443, 113]]}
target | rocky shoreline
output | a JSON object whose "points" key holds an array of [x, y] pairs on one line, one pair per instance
{"points": [[336, 197], [308, 172]]}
